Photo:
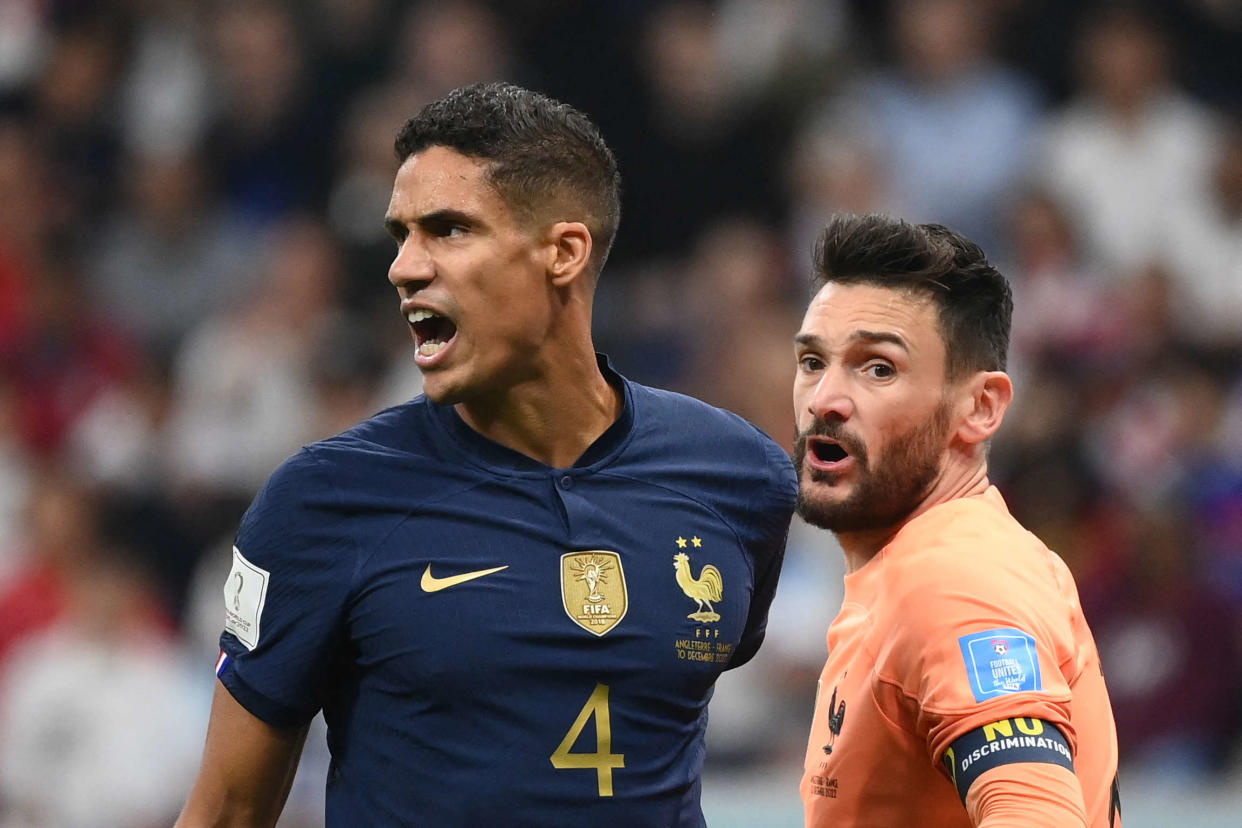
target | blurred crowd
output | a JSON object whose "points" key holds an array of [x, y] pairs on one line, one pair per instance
{"points": [[193, 285]]}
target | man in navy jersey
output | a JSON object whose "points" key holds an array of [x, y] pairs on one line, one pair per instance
{"points": [[511, 596]]}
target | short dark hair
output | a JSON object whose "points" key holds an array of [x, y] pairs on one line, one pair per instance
{"points": [[973, 300], [541, 152]]}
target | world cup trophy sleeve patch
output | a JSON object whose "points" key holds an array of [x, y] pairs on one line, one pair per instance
{"points": [[593, 589], [1000, 661], [245, 591]]}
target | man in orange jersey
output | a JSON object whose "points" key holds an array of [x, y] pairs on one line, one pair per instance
{"points": [[962, 687]]}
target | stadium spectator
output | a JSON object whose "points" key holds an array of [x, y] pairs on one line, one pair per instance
{"points": [[1131, 147], [945, 119]]}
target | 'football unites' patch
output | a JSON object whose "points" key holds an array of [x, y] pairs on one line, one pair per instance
{"points": [[1000, 661]]}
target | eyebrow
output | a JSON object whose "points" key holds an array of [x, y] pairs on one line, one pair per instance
{"points": [[880, 336], [857, 336], [447, 215]]}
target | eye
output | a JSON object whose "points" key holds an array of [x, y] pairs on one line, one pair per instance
{"points": [[447, 229], [810, 364], [879, 370]]}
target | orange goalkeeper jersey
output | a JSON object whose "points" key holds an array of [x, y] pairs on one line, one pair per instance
{"points": [[964, 627]]}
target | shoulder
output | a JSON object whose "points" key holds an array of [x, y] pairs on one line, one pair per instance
{"points": [[693, 426], [401, 441], [400, 428], [321, 464], [971, 592], [977, 525], [312, 494], [968, 560], [713, 456], [293, 484]]}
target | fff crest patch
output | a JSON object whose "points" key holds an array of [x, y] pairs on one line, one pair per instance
{"points": [[593, 589], [1000, 661]]}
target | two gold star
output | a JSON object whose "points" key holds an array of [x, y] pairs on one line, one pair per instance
{"points": [[697, 541]]}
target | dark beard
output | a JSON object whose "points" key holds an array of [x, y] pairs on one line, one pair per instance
{"points": [[886, 495]]}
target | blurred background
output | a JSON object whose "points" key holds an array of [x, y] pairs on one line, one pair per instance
{"points": [[193, 285]]}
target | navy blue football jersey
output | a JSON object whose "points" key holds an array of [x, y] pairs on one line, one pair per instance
{"points": [[496, 642]]}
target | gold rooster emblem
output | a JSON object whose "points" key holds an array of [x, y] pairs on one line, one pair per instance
{"points": [[708, 587]]}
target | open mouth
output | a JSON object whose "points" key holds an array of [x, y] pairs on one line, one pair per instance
{"points": [[431, 331], [827, 451]]}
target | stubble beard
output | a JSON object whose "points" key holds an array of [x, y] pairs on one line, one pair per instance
{"points": [[885, 495]]}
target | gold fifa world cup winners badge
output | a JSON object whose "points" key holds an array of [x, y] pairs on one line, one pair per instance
{"points": [[705, 589], [593, 589]]}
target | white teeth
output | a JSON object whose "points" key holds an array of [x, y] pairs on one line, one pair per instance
{"points": [[419, 315], [429, 348]]}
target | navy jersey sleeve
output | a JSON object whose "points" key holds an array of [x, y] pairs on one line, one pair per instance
{"points": [[764, 525], [285, 597]]}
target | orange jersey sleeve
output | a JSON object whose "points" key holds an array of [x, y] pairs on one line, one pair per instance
{"points": [[1027, 796]]}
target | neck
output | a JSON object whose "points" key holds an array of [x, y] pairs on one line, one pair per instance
{"points": [[861, 547], [553, 418]]}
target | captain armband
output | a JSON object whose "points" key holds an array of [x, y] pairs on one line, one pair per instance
{"points": [[1006, 742]]}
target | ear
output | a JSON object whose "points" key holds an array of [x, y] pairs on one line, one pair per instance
{"points": [[985, 404], [569, 253]]}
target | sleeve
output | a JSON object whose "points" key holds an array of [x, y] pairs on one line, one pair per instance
{"points": [[769, 532], [286, 594], [979, 639], [1027, 796]]}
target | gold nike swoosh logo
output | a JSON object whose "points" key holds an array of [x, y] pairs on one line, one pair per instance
{"points": [[430, 583]]}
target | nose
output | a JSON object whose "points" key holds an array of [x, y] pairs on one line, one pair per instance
{"points": [[830, 399], [412, 269]]}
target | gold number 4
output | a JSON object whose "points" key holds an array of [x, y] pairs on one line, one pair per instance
{"points": [[603, 759]]}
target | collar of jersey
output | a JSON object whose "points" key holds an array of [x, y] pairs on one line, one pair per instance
{"points": [[484, 452], [912, 537]]}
